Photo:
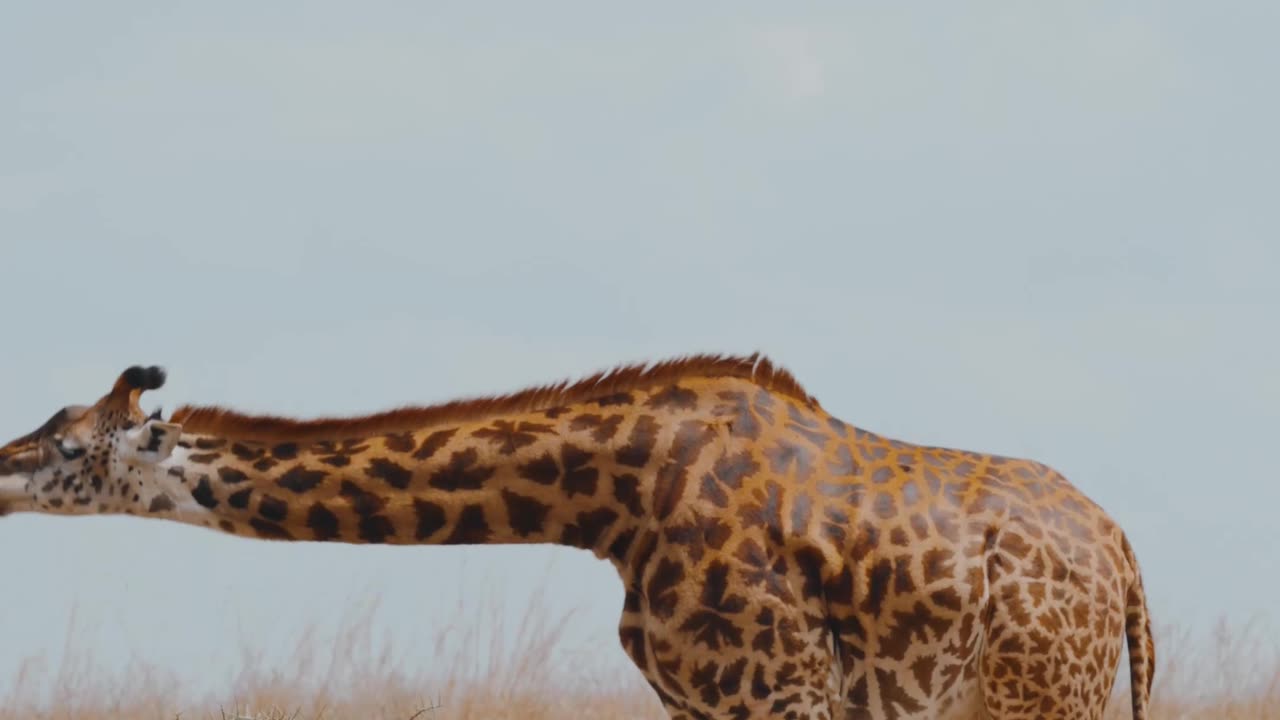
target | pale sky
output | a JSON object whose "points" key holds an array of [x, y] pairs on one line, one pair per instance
{"points": [[1041, 231]]}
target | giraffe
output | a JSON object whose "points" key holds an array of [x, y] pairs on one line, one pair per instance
{"points": [[776, 561]]}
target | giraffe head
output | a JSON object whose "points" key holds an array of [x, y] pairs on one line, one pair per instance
{"points": [[99, 458]]}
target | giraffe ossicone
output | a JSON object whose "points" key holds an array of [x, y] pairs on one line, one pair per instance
{"points": [[777, 562]]}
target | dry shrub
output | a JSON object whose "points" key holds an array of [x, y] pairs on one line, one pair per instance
{"points": [[1232, 675]]}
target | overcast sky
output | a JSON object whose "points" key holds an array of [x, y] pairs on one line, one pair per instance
{"points": [[1040, 231]]}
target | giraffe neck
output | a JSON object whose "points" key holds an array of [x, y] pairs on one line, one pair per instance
{"points": [[584, 475]]}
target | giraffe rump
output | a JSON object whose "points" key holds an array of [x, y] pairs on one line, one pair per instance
{"points": [[757, 368]]}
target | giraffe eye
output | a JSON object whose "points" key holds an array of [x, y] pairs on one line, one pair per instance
{"points": [[69, 452]]}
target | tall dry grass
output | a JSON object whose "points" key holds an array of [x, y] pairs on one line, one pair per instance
{"points": [[1233, 673], [1236, 677]]}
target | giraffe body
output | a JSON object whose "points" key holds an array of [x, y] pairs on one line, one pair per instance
{"points": [[776, 561]]}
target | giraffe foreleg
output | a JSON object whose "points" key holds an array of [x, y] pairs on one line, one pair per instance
{"points": [[735, 653]]}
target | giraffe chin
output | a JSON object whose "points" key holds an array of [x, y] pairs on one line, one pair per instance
{"points": [[13, 490]]}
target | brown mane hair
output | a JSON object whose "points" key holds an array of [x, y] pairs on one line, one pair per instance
{"points": [[222, 422]]}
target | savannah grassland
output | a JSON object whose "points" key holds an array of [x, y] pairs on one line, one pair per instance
{"points": [[1236, 675]]}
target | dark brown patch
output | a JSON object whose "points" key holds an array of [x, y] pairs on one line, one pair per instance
{"points": [[938, 563], [240, 498], [712, 492], [878, 577], [273, 508], [322, 521], [640, 443], [673, 477], [731, 470], [633, 644], [507, 437], [713, 624], [673, 397], [375, 529], [393, 474], [891, 694], [860, 697], [602, 428], [431, 518], [703, 678], [463, 472], [300, 480], [626, 490], [903, 583], [622, 543], [736, 409], [433, 443], [661, 590], [760, 688], [716, 533], [578, 478], [364, 503], [203, 493], [843, 465], [809, 561], [922, 669], [801, 513], [247, 453], [471, 529], [884, 506], [919, 526], [161, 503], [231, 476], [526, 515], [947, 598], [594, 524], [731, 677], [910, 627], [542, 470], [399, 442], [763, 509], [688, 534], [839, 588], [613, 399]]}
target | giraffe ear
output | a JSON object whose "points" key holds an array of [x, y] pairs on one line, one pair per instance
{"points": [[152, 442]]}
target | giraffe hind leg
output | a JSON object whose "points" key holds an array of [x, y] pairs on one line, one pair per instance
{"points": [[1028, 674]]}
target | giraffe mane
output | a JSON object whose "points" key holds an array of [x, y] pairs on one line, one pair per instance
{"points": [[226, 423]]}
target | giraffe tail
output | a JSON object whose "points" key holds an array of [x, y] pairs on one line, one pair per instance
{"points": [[1137, 630]]}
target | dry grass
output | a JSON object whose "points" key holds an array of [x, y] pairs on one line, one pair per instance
{"points": [[1232, 674], [1237, 678]]}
